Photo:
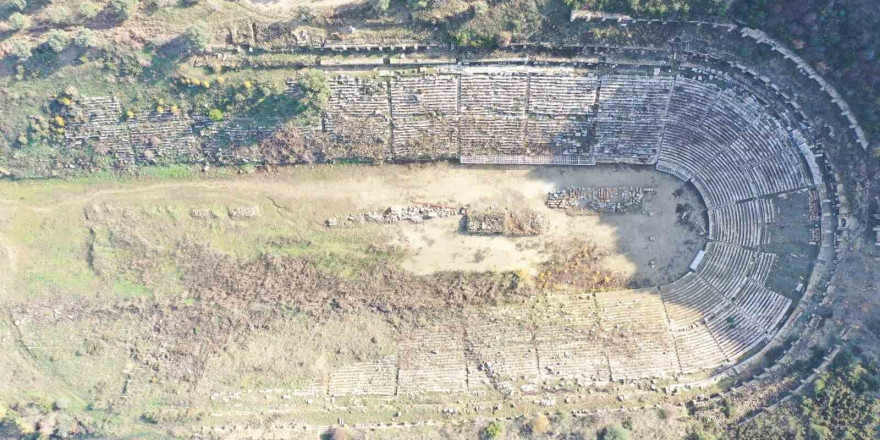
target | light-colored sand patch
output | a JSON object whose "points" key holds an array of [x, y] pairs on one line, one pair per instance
{"points": [[439, 246]]}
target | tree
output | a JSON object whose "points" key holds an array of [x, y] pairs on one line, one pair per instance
{"points": [[58, 40], [615, 432], [20, 47], [19, 21], [88, 10], [84, 38], [315, 90], [199, 38], [124, 8], [380, 5], [215, 115]]}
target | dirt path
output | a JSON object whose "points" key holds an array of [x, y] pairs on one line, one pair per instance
{"points": [[8, 253]]}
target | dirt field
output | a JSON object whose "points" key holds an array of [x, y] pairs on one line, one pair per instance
{"points": [[172, 301], [621, 242]]}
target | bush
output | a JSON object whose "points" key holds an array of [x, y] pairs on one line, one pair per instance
{"points": [[216, 115], [124, 8], [481, 7], [88, 10], [700, 434], [84, 38], [380, 5], [493, 430], [19, 21], [58, 40], [198, 38], [615, 432], [503, 39], [668, 412], [17, 5], [315, 90], [58, 14], [340, 434], [61, 403], [21, 48], [539, 425]]}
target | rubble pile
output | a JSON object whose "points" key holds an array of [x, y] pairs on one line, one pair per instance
{"points": [[616, 199], [242, 212], [396, 214], [507, 222]]}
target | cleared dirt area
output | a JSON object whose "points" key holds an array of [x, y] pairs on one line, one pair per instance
{"points": [[625, 244]]}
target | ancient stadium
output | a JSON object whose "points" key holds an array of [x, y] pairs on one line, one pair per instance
{"points": [[580, 229]]}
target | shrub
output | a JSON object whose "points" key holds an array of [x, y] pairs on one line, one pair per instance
{"points": [[123, 8], [20, 47], [19, 21], [216, 115], [380, 5], [61, 403], [340, 434], [820, 432], [88, 10], [668, 412], [615, 432], [539, 425], [18, 5], [58, 40], [481, 7], [58, 14], [198, 38], [493, 430], [307, 14], [699, 434], [473, 39], [503, 39], [84, 38]]}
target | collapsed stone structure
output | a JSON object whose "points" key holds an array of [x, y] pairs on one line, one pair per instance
{"points": [[507, 222], [600, 200], [396, 214]]}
